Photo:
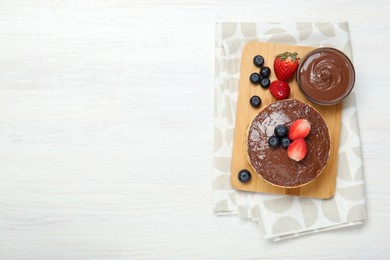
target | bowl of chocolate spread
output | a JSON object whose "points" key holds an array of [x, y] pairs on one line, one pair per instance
{"points": [[326, 76]]}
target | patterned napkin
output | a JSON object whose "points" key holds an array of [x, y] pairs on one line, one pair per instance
{"points": [[282, 216]]}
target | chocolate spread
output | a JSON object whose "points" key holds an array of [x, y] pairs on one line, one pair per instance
{"points": [[326, 76], [273, 164]]}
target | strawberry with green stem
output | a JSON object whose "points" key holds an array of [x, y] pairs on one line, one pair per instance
{"points": [[285, 65]]}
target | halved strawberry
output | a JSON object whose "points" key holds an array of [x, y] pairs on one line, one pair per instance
{"points": [[299, 129], [279, 89], [297, 150]]}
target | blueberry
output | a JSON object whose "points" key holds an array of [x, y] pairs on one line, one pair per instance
{"points": [[255, 78], [281, 130], [258, 60], [255, 101], [265, 82], [264, 72], [273, 141], [244, 176], [285, 142]]}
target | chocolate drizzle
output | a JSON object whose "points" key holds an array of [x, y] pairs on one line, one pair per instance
{"points": [[273, 164]]}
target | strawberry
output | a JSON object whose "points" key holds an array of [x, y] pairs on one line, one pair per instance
{"points": [[279, 89], [285, 65], [297, 150], [299, 129]]}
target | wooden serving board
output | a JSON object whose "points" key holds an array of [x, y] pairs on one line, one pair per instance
{"points": [[325, 184]]}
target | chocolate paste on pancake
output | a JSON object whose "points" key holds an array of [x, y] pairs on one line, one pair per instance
{"points": [[273, 164]]}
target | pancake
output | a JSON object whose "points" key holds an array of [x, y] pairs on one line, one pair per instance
{"points": [[273, 164]]}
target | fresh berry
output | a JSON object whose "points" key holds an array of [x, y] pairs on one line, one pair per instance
{"points": [[299, 129], [297, 150], [264, 72], [281, 130], [285, 142], [255, 101], [244, 176], [279, 89], [273, 141], [285, 65], [255, 78], [258, 60], [264, 83]]}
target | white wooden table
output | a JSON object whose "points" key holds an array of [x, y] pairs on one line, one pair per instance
{"points": [[106, 130]]}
